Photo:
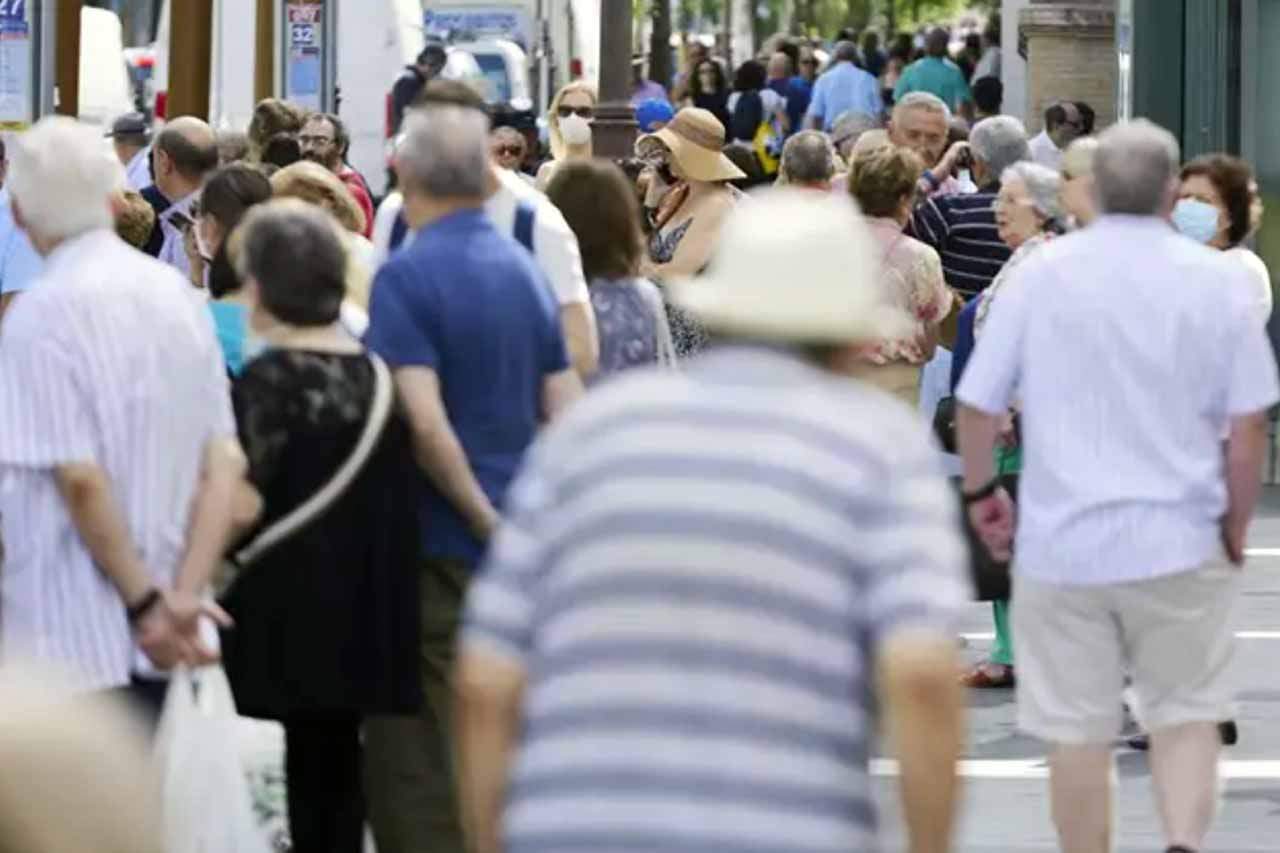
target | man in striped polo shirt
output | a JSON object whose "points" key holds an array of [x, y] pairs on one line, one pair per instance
{"points": [[708, 583], [962, 228]]}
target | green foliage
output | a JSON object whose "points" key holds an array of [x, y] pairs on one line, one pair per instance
{"points": [[826, 17]]}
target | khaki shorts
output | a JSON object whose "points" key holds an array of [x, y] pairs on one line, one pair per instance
{"points": [[1076, 645]]}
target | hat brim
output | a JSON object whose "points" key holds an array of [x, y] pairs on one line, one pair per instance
{"points": [[697, 163], [721, 307]]}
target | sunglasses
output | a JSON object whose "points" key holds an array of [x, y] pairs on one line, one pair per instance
{"points": [[808, 62], [509, 150], [581, 112]]}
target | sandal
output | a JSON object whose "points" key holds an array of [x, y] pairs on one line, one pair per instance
{"points": [[990, 676]]}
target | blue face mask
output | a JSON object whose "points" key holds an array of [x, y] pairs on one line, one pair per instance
{"points": [[1196, 219]]}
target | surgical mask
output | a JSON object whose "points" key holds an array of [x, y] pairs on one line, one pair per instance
{"points": [[1196, 219], [575, 130]]}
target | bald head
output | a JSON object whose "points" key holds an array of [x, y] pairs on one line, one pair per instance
{"points": [[185, 152], [779, 66]]}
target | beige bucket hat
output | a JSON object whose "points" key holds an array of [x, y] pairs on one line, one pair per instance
{"points": [[795, 266], [695, 138]]}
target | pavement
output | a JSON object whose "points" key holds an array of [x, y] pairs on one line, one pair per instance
{"points": [[1006, 805]]}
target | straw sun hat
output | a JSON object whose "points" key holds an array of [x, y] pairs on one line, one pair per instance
{"points": [[694, 138], [798, 267]]}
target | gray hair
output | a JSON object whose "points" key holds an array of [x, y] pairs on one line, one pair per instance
{"points": [[926, 101], [808, 158], [63, 178], [999, 142], [849, 127], [1043, 184], [845, 51], [1133, 168], [445, 153]]}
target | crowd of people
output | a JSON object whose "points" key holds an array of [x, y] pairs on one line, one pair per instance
{"points": [[581, 504]]}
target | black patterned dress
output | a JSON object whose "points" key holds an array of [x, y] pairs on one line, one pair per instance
{"points": [[328, 620]]}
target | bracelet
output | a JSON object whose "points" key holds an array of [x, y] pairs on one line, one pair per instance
{"points": [[982, 493], [931, 178], [144, 605]]}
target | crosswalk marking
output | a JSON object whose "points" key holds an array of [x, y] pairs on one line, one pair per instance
{"points": [[1038, 768]]}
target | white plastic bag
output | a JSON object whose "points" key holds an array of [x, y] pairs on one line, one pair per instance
{"points": [[207, 804]]}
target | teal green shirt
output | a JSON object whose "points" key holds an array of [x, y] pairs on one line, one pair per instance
{"points": [[937, 76]]}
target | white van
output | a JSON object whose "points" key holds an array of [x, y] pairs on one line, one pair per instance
{"points": [[105, 91]]}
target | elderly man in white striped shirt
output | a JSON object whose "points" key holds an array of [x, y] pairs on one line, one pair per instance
{"points": [[118, 459], [1134, 352]]}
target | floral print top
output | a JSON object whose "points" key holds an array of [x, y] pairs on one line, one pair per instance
{"points": [[912, 275], [632, 324]]}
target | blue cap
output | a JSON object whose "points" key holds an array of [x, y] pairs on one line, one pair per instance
{"points": [[652, 112]]}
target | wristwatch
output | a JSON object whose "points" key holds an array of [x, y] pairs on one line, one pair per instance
{"points": [[982, 493], [143, 606]]}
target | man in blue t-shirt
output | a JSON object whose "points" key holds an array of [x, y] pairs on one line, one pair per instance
{"points": [[471, 330]]}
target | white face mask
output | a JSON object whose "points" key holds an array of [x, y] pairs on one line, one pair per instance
{"points": [[575, 130]]}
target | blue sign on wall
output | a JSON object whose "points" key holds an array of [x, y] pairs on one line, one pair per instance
{"points": [[480, 21]]}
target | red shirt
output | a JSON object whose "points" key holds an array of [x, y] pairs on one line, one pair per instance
{"points": [[355, 184]]}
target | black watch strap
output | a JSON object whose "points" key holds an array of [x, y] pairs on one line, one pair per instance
{"points": [[981, 494], [144, 605]]}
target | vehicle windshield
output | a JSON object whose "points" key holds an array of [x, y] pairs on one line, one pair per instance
{"points": [[494, 68]]}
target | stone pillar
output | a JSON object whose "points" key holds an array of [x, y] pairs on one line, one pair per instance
{"points": [[1071, 56]]}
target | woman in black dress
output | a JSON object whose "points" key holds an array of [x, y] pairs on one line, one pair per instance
{"points": [[326, 622], [709, 90]]}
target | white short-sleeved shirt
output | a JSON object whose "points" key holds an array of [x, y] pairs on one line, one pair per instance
{"points": [[555, 247], [113, 360], [1259, 280], [1127, 386], [771, 100], [1045, 151]]}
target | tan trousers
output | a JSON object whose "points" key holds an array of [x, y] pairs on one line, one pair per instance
{"points": [[409, 774]]}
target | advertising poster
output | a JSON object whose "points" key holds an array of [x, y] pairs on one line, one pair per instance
{"points": [[16, 95], [305, 54]]}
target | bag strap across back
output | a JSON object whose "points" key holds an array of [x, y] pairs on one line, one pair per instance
{"points": [[316, 505]]}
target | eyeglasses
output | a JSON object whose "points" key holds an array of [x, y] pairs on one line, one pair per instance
{"points": [[581, 112], [315, 140], [808, 62], [509, 150]]}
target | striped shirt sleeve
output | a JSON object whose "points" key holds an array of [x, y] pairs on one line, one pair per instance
{"points": [[47, 415], [928, 225]]}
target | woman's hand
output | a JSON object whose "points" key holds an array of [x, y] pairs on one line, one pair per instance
{"points": [[194, 260]]}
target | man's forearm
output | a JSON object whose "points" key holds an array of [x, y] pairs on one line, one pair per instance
{"points": [[578, 325], [1246, 451], [976, 433], [442, 459], [487, 716], [213, 515], [924, 708], [102, 527]]}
